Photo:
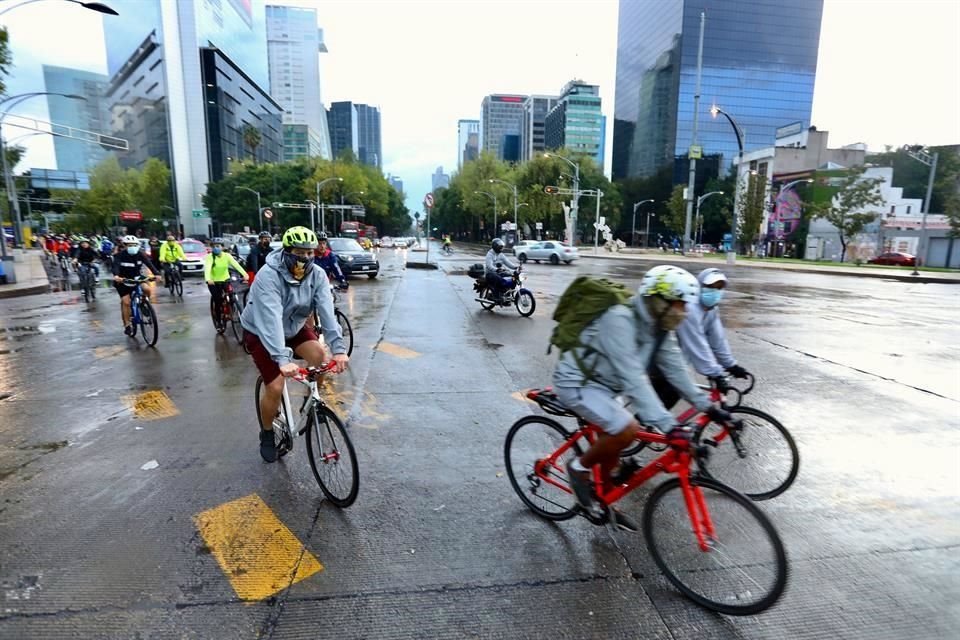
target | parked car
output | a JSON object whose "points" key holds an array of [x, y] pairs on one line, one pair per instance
{"points": [[523, 244], [387, 243], [703, 248], [353, 259], [897, 258], [552, 250], [194, 252]]}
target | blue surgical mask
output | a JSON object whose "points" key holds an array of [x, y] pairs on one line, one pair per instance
{"points": [[133, 250], [216, 251], [710, 297]]}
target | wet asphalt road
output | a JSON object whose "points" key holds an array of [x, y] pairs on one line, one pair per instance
{"points": [[105, 485]]}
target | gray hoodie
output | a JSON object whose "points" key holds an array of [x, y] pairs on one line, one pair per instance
{"points": [[279, 307], [618, 347], [704, 342]]}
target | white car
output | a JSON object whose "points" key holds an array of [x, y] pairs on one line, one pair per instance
{"points": [[387, 243], [517, 249], [552, 250]]}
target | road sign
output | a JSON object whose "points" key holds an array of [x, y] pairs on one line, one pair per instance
{"points": [[539, 226], [417, 215], [428, 201], [696, 152], [131, 215], [267, 214], [201, 213]]}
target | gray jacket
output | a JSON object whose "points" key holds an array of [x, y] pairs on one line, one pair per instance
{"points": [[618, 346], [704, 342], [493, 260], [279, 307]]}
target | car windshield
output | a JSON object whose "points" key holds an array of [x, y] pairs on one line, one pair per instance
{"points": [[345, 244], [193, 247]]}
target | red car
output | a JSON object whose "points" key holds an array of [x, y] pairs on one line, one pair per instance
{"points": [[895, 258]]}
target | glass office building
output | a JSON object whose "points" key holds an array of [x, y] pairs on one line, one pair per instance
{"points": [[500, 116], [759, 65]]}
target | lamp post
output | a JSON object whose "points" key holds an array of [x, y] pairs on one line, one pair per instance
{"points": [[323, 218], [259, 208], [514, 187], [714, 111], [924, 157], [699, 202], [93, 6], [647, 241], [574, 205], [494, 209], [633, 228]]}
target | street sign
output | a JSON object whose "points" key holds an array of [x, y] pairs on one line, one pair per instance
{"points": [[603, 220], [428, 201], [267, 214], [539, 226], [200, 213], [417, 215], [131, 215], [696, 152]]}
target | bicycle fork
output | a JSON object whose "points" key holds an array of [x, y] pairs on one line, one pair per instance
{"points": [[697, 510]]}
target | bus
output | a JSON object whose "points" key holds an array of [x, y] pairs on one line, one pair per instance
{"points": [[350, 229]]}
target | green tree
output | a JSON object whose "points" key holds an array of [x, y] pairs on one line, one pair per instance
{"points": [[952, 210], [753, 202], [14, 156], [913, 175], [111, 191], [848, 195], [151, 189], [659, 188], [6, 59]]}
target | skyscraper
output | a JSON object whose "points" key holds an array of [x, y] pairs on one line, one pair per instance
{"points": [[369, 149], [575, 122], [759, 64], [91, 115], [535, 110], [468, 141], [342, 123], [293, 40], [395, 182], [500, 115], [439, 179]]}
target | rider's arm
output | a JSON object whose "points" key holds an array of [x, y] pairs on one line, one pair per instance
{"points": [[490, 262], [694, 342], [236, 266], [616, 342], [178, 253], [507, 262], [718, 339], [208, 267], [335, 268], [323, 303], [671, 363]]}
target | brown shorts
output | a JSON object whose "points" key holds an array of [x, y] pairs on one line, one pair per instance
{"points": [[269, 369]]}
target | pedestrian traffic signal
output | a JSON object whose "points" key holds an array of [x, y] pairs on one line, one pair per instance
{"points": [[551, 190]]}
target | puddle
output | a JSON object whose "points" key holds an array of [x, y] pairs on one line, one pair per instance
{"points": [[4, 352]]}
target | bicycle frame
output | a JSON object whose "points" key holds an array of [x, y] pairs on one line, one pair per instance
{"points": [[312, 401]]}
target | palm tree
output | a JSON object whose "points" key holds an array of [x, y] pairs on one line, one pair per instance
{"points": [[251, 138]]}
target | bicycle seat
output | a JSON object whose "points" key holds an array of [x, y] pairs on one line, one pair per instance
{"points": [[549, 402]]}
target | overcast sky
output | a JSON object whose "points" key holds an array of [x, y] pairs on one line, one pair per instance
{"points": [[889, 70]]}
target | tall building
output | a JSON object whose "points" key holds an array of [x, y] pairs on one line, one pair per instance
{"points": [[160, 58], [759, 64], [575, 122], [369, 148], [90, 115], [293, 40], [535, 110], [468, 141], [395, 182], [342, 123], [440, 179], [500, 115]]}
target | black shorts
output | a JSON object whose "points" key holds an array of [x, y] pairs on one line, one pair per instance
{"points": [[123, 289]]}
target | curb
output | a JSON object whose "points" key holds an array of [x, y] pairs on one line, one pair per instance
{"points": [[422, 265], [24, 291]]}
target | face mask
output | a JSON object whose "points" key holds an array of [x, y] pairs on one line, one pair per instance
{"points": [[216, 251], [668, 318], [296, 265], [711, 297], [133, 250]]}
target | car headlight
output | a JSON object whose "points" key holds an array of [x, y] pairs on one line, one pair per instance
{"points": [[348, 258]]}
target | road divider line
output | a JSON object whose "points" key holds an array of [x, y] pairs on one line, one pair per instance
{"points": [[397, 351], [258, 553], [151, 405]]}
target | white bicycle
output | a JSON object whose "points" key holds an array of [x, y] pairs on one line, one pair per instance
{"points": [[332, 457]]}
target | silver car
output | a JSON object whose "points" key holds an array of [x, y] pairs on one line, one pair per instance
{"points": [[552, 250]]}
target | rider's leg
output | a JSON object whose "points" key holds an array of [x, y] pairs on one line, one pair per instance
{"points": [[125, 309], [606, 450], [270, 402], [314, 352]]}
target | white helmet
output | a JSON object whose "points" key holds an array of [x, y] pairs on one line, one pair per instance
{"points": [[711, 276], [670, 283], [131, 240]]}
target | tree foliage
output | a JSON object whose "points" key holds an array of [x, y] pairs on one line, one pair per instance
{"points": [[251, 140], [913, 175], [675, 216], [848, 208], [6, 59], [753, 201]]}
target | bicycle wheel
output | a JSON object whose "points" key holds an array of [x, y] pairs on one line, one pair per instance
{"points": [[235, 322], [744, 569], [345, 329], [281, 431], [526, 305], [148, 323], [85, 285], [530, 441], [770, 461], [332, 458], [178, 284]]}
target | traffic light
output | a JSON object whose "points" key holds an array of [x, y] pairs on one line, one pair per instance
{"points": [[551, 190]]}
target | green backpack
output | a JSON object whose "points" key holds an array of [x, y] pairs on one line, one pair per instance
{"points": [[585, 300]]}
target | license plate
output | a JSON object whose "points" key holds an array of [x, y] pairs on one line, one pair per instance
{"points": [[188, 267], [365, 268]]}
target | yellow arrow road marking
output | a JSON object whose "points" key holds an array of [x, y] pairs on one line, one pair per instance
{"points": [[151, 405], [397, 351], [256, 551]]}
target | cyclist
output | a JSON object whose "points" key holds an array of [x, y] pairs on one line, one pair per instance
{"points": [[618, 347], [171, 253], [216, 270], [258, 253], [492, 266], [283, 295], [86, 255], [447, 243], [63, 247], [327, 260], [128, 264]]}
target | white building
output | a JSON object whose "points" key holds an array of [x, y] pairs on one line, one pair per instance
{"points": [[294, 43], [468, 141]]}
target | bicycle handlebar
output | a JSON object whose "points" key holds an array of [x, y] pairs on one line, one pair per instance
{"points": [[309, 372], [140, 280]]}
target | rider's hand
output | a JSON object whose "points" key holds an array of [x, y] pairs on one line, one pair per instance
{"points": [[720, 382], [738, 372], [210, 282], [341, 359], [117, 279], [718, 415], [289, 370]]}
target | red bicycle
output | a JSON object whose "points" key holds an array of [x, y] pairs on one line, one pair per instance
{"points": [[734, 562], [755, 455], [229, 311]]}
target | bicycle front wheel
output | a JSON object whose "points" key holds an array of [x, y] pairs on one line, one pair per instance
{"points": [[148, 323], [743, 569], [770, 460], [345, 329], [332, 458], [542, 485], [177, 285], [235, 322], [218, 323]]}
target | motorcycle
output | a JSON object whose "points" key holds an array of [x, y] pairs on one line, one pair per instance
{"points": [[518, 295]]}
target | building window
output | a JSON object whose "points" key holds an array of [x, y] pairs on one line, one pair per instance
{"points": [[908, 208]]}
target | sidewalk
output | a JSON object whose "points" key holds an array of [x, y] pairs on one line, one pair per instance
{"points": [[31, 276]]}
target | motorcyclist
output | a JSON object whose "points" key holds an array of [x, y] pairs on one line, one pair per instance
{"points": [[493, 269]]}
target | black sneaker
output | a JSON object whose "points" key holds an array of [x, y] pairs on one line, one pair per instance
{"points": [[624, 522], [582, 487], [268, 446], [129, 330]]}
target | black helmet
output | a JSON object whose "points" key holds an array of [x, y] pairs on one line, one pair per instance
{"points": [[265, 234], [497, 245], [322, 236]]}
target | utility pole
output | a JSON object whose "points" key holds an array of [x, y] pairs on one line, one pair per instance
{"points": [[694, 150]]}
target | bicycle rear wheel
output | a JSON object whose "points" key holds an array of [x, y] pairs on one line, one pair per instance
{"points": [[148, 323], [281, 430], [770, 461], [744, 569], [529, 443], [332, 458], [345, 329]]}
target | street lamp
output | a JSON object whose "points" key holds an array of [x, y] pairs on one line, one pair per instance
{"points": [[514, 187], [323, 218], [699, 202], [714, 111], [259, 208], [923, 157], [93, 6], [633, 228], [575, 204]]}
